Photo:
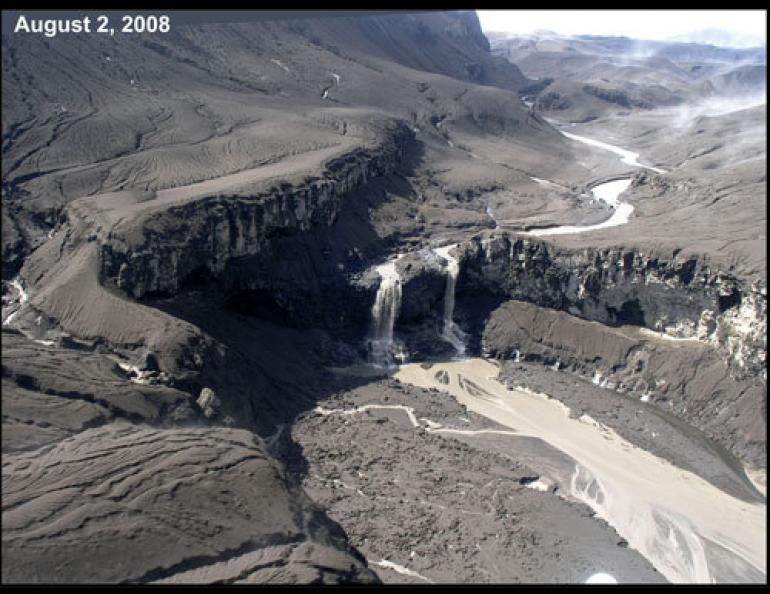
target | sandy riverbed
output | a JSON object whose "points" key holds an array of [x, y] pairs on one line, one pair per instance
{"points": [[690, 530]]}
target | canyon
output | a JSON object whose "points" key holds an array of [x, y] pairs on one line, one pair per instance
{"points": [[351, 299]]}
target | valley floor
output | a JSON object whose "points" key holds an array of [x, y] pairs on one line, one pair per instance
{"points": [[447, 466]]}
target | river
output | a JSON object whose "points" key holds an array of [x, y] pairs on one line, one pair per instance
{"points": [[608, 192], [688, 529]]}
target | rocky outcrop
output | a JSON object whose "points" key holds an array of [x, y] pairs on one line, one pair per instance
{"points": [[250, 241], [423, 277], [552, 101], [616, 96], [682, 297], [208, 402]]}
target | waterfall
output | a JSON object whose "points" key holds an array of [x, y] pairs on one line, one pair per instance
{"points": [[22, 298], [491, 215], [451, 332], [383, 348]]}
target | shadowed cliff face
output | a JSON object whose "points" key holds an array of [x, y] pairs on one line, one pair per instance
{"points": [[207, 235], [683, 297], [302, 255]]}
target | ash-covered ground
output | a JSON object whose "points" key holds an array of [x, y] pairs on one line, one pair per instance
{"points": [[194, 229], [450, 508]]}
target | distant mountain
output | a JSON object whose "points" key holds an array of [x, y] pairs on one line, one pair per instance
{"points": [[722, 38], [675, 50], [581, 78]]}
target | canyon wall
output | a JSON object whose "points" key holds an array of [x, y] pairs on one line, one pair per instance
{"points": [[201, 237], [680, 297], [678, 333]]}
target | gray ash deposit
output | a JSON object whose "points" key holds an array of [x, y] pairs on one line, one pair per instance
{"points": [[346, 300]]}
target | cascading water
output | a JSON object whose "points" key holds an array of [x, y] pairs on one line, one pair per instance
{"points": [[16, 304], [451, 332], [384, 350]]}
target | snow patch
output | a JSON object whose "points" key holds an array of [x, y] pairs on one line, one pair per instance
{"points": [[539, 485], [601, 578], [280, 64], [400, 569]]}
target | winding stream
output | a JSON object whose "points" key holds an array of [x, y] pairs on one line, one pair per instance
{"points": [[690, 530], [18, 303], [608, 192], [627, 157]]}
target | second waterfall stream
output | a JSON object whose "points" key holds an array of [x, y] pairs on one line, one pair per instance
{"points": [[451, 332]]}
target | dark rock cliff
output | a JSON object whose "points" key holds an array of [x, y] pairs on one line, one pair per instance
{"points": [[201, 237], [682, 297]]}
